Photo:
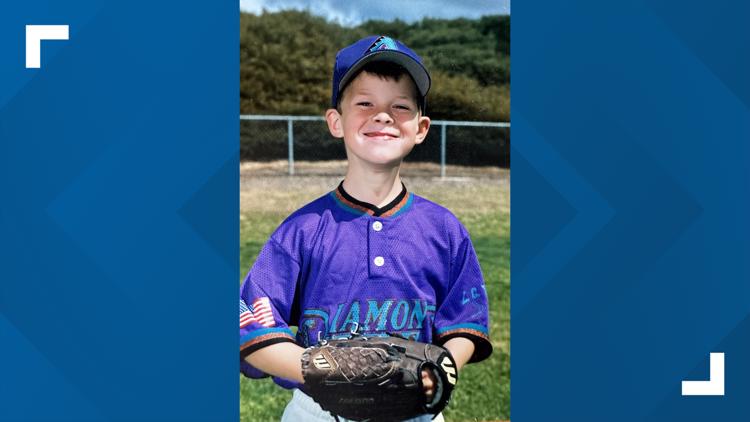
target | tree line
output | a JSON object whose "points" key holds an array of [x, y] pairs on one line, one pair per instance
{"points": [[286, 60]]}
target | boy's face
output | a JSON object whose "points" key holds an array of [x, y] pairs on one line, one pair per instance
{"points": [[379, 120]]}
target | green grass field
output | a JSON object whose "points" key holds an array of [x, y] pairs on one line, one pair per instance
{"points": [[481, 202]]}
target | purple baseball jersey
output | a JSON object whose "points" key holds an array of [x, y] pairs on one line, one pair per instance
{"points": [[338, 265]]}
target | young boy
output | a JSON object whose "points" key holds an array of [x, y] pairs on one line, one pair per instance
{"points": [[369, 256]]}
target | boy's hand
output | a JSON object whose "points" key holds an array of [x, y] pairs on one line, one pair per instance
{"points": [[428, 382]]}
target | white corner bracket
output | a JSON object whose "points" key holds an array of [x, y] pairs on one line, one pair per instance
{"points": [[715, 384], [34, 36]]}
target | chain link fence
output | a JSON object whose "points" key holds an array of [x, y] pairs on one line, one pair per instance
{"points": [[302, 145]]}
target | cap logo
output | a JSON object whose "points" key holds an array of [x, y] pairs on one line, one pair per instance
{"points": [[383, 43]]}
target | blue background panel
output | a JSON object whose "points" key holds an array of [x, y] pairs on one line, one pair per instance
{"points": [[631, 196], [119, 212]]}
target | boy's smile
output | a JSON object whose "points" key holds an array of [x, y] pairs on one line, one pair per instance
{"points": [[379, 120], [381, 135]]}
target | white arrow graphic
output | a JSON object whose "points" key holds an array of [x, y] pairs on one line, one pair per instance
{"points": [[34, 36], [715, 384]]}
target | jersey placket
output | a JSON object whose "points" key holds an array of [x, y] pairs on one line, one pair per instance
{"points": [[377, 247]]}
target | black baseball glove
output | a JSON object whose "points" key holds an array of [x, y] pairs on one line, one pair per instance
{"points": [[377, 378]]}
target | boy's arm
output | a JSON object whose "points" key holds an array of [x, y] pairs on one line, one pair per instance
{"points": [[267, 298], [461, 348], [280, 360], [463, 310], [283, 359]]}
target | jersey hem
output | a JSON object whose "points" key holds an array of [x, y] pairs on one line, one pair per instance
{"points": [[482, 345], [258, 342]]}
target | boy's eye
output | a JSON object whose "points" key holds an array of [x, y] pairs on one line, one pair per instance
{"points": [[364, 103], [402, 107]]}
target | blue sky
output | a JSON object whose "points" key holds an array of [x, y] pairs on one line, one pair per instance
{"points": [[353, 12]]}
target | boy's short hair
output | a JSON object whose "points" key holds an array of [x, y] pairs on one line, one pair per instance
{"points": [[384, 70], [351, 60]]}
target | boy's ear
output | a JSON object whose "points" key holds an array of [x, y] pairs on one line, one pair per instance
{"points": [[333, 118], [424, 127]]}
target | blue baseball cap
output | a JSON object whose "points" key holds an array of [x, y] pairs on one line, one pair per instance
{"points": [[350, 60]]}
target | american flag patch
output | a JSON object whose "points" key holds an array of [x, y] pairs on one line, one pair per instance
{"points": [[259, 311]]}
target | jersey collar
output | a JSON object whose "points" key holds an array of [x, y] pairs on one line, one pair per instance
{"points": [[400, 203]]}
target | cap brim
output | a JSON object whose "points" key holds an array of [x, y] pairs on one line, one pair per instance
{"points": [[415, 69]]}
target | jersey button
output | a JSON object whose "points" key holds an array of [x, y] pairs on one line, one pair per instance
{"points": [[377, 226], [379, 261]]}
